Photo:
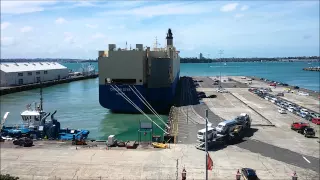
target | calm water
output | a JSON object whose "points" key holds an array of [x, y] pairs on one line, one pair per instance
{"points": [[78, 102]]}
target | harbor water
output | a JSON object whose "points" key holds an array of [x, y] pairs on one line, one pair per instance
{"points": [[77, 103]]}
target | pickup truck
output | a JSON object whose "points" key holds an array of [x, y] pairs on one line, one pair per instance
{"points": [[316, 121], [309, 132], [299, 126]]}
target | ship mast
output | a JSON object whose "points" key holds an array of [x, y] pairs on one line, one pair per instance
{"points": [[155, 45], [41, 99]]}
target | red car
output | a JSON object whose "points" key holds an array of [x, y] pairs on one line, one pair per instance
{"points": [[316, 121], [273, 84], [299, 125]]}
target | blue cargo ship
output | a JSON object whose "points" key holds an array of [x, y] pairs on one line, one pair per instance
{"points": [[133, 79]]}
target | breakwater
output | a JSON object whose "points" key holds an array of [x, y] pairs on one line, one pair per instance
{"points": [[312, 69], [13, 89]]}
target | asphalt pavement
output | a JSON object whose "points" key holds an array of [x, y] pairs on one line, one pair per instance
{"points": [[281, 154], [265, 149]]}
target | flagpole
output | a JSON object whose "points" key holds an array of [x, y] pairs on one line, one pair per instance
{"points": [[206, 144]]}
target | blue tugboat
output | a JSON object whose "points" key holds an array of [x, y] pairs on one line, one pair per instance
{"points": [[35, 125]]}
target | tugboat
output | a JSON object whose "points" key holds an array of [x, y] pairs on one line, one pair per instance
{"points": [[35, 126]]}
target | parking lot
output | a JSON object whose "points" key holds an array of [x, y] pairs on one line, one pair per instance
{"points": [[263, 112]]}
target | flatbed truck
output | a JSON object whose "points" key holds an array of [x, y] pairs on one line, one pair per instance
{"points": [[224, 139]]}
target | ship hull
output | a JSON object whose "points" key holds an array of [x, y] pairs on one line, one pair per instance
{"points": [[161, 99]]}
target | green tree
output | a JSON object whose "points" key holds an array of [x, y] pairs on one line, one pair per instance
{"points": [[8, 177]]}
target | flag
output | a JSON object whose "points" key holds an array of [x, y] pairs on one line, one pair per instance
{"points": [[209, 163]]}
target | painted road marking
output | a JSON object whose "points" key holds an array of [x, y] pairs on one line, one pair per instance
{"points": [[306, 159]]}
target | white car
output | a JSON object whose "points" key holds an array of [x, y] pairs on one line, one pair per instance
{"points": [[303, 93], [290, 109], [305, 111], [222, 91], [282, 111]]}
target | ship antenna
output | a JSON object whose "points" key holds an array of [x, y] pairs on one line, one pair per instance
{"points": [[41, 99]]}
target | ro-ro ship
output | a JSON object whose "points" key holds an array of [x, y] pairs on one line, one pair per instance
{"points": [[138, 78]]}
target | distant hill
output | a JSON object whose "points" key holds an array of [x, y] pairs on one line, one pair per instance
{"points": [[49, 60]]}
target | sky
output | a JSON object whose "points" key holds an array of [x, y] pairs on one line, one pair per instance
{"points": [[79, 29]]}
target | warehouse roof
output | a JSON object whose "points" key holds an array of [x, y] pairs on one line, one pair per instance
{"points": [[30, 66]]}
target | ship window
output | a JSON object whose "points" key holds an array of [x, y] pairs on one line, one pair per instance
{"points": [[140, 80], [124, 81]]}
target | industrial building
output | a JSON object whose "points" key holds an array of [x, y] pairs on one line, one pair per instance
{"points": [[13, 74], [201, 56]]}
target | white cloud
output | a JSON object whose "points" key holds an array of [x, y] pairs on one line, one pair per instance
{"points": [[98, 35], [92, 26], [7, 41], [21, 7], [84, 4], [26, 29], [69, 38], [229, 7], [60, 20], [244, 7], [165, 9], [4, 25], [239, 15]]}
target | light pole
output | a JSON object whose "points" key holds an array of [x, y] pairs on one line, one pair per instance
{"points": [[206, 144], [220, 53]]}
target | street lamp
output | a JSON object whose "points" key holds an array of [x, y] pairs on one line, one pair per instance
{"points": [[220, 53]]}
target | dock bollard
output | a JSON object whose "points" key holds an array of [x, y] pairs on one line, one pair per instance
{"points": [[238, 175], [294, 176]]}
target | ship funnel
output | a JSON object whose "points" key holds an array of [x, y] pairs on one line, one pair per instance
{"points": [[169, 38]]}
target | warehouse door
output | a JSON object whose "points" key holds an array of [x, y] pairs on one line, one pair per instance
{"points": [[20, 81]]}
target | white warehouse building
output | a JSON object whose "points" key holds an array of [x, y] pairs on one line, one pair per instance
{"points": [[13, 74]]}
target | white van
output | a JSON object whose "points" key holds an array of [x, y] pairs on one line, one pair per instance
{"points": [[201, 134], [226, 126]]}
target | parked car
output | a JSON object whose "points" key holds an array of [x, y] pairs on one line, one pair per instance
{"points": [[282, 111], [299, 125], [280, 94], [273, 84], [290, 109], [316, 121], [303, 93], [249, 174], [309, 132], [222, 91], [305, 111], [303, 115]]}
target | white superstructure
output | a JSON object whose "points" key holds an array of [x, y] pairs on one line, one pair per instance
{"points": [[157, 67], [31, 72]]}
